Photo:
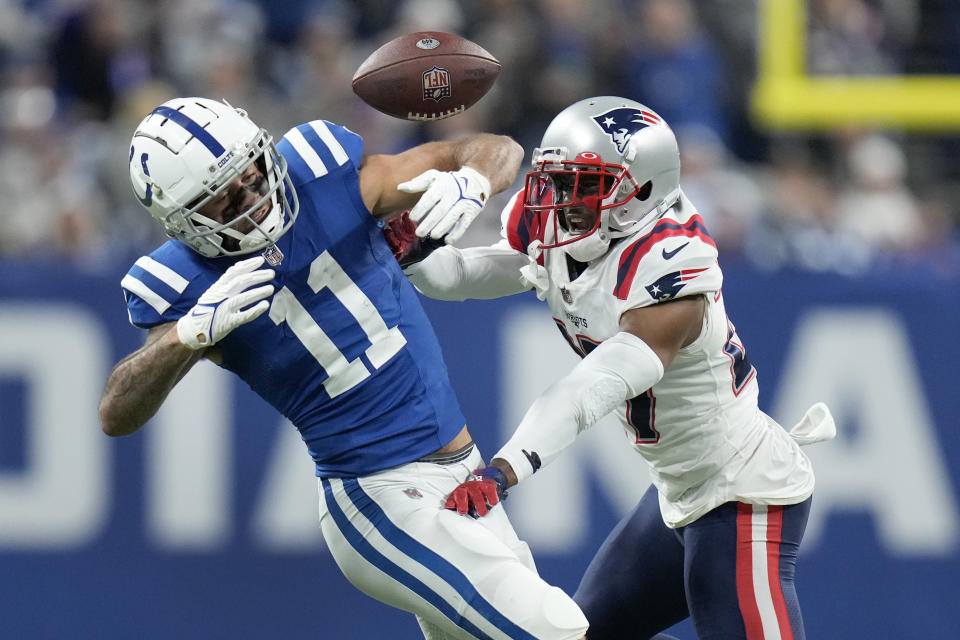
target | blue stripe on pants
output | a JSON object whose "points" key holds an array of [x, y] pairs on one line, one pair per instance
{"points": [[377, 559], [432, 561]]}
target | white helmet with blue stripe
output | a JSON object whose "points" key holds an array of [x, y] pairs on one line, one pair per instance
{"points": [[187, 152]]}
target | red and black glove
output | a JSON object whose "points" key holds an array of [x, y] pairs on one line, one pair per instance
{"points": [[487, 487], [408, 248]]}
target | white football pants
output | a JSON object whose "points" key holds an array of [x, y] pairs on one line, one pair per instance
{"points": [[462, 577]]}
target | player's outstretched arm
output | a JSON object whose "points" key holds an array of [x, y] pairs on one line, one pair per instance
{"points": [[140, 383], [622, 367], [445, 272], [479, 273], [443, 184]]}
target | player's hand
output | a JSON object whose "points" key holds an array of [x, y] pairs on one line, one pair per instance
{"points": [[452, 200], [408, 248], [486, 488], [229, 302]]}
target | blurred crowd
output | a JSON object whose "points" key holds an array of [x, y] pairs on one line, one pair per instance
{"points": [[78, 75]]}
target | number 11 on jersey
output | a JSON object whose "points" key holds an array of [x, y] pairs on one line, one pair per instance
{"points": [[342, 374]]}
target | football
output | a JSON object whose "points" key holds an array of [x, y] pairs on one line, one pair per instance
{"points": [[427, 75]]}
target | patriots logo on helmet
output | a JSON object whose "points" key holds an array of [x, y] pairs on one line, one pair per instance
{"points": [[621, 123], [669, 285]]}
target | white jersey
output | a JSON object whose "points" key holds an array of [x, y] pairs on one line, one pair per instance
{"points": [[699, 427]]}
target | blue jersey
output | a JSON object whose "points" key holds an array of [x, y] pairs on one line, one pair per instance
{"points": [[345, 352]]}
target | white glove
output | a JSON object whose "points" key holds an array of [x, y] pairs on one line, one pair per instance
{"points": [[453, 199], [226, 304]]}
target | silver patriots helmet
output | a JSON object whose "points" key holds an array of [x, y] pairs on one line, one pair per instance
{"points": [[606, 165]]}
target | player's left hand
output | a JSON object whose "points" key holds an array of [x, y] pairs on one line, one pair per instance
{"points": [[452, 200], [474, 497]]}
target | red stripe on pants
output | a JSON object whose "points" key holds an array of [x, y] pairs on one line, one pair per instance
{"points": [[745, 595], [774, 538]]}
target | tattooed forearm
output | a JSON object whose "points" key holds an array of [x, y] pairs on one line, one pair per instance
{"points": [[139, 383]]}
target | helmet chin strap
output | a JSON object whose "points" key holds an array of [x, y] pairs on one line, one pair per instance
{"points": [[592, 245], [207, 244], [654, 214], [263, 232]]}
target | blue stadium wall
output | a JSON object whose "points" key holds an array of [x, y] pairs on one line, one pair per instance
{"points": [[203, 524]]}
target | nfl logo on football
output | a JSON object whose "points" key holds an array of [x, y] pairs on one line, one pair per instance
{"points": [[436, 84]]}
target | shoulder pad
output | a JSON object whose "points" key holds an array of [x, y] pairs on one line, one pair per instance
{"points": [[316, 148], [673, 259], [164, 285]]}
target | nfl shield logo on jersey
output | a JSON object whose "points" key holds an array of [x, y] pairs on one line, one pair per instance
{"points": [[436, 84], [413, 492], [566, 295], [273, 255]]}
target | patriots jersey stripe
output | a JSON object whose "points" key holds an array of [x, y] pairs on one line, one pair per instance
{"points": [[147, 294], [306, 153], [161, 271], [631, 257]]}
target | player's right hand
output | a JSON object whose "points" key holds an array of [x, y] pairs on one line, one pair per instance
{"points": [[451, 201], [228, 303], [474, 497]]}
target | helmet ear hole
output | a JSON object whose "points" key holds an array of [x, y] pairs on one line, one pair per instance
{"points": [[645, 191]]}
